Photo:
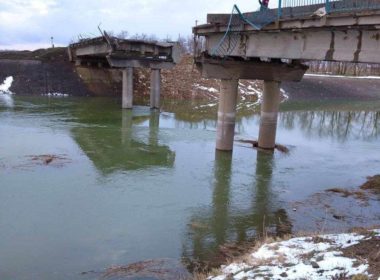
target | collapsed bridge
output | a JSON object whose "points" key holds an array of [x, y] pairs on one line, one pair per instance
{"points": [[123, 54]]}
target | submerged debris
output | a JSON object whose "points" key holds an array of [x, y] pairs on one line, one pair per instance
{"points": [[56, 160], [372, 185], [255, 144], [347, 193], [161, 269]]}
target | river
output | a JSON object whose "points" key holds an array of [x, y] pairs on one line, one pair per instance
{"points": [[127, 186]]}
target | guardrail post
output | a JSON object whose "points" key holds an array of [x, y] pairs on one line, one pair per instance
{"points": [[328, 6]]}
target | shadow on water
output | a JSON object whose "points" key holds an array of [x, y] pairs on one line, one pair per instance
{"points": [[225, 225], [125, 147]]}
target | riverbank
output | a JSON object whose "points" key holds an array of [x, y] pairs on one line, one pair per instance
{"points": [[353, 255], [336, 256]]}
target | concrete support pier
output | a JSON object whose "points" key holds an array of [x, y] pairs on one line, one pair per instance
{"points": [[155, 88], [227, 114], [269, 113], [127, 102]]}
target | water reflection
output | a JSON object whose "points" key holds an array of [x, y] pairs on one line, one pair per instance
{"points": [[6, 100], [339, 121], [234, 221], [338, 125], [129, 147]]}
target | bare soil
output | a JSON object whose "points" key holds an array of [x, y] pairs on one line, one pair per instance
{"points": [[373, 184], [368, 251]]}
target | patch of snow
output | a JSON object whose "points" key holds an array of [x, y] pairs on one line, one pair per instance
{"points": [[56, 94], [344, 240], [206, 106], [377, 233], [209, 89], [251, 89], [234, 268], [300, 258], [6, 85], [347, 77], [222, 277], [321, 12], [284, 94]]}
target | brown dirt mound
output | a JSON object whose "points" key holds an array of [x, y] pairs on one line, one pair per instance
{"points": [[368, 250], [373, 184]]}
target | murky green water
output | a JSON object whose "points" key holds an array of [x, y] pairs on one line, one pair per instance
{"points": [[130, 186]]}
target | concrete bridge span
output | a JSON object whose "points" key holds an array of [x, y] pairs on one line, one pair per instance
{"points": [[271, 45], [106, 51]]}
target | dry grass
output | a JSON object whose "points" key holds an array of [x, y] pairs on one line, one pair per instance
{"points": [[373, 184], [267, 240]]}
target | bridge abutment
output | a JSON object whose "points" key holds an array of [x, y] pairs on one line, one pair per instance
{"points": [[269, 114], [127, 95], [155, 88], [227, 114]]}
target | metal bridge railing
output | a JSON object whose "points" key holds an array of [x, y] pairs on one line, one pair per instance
{"points": [[353, 5], [297, 8], [286, 9]]}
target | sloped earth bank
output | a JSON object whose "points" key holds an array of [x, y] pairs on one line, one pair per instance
{"points": [[47, 71]]}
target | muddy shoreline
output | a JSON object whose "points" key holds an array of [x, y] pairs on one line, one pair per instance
{"points": [[367, 250]]}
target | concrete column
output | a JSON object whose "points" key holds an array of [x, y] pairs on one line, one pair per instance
{"points": [[127, 99], [269, 112], [155, 88], [226, 115]]}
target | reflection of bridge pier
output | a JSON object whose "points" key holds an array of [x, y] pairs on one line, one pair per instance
{"points": [[240, 46], [221, 196], [264, 172], [121, 147], [225, 222], [126, 127], [154, 125], [126, 55]]}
